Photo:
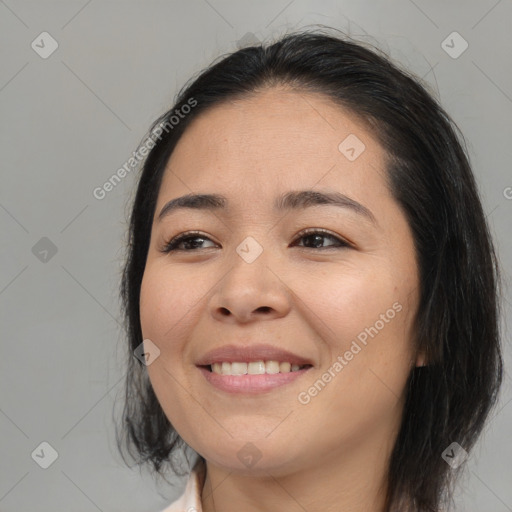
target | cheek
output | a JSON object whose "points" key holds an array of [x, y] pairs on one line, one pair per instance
{"points": [[349, 300], [167, 301], [364, 318]]}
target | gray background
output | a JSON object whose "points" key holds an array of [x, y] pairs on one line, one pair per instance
{"points": [[69, 121]]}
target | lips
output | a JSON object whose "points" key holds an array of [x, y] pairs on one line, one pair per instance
{"points": [[262, 352]]}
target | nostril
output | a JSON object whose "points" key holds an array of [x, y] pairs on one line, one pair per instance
{"points": [[264, 309]]}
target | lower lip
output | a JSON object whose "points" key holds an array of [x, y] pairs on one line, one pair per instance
{"points": [[251, 383]]}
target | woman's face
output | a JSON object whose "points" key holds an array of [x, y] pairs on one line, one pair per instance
{"points": [[342, 301]]}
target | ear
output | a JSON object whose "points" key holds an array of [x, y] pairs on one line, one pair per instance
{"points": [[421, 360]]}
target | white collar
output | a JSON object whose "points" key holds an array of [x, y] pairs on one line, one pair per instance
{"points": [[190, 500]]}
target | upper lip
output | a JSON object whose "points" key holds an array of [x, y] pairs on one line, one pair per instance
{"points": [[262, 352]]}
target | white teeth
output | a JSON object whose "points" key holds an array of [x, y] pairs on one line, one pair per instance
{"points": [[271, 367], [238, 369], [254, 368], [285, 367]]}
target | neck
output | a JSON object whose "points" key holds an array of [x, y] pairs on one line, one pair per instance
{"points": [[348, 480]]}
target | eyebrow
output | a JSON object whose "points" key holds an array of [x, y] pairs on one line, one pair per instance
{"points": [[293, 200]]}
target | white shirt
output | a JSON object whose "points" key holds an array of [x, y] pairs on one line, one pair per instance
{"points": [[190, 500]]}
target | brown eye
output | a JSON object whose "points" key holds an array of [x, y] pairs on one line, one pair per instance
{"points": [[187, 241], [314, 239]]}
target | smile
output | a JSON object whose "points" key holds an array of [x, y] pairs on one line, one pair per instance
{"points": [[254, 368], [251, 383]]}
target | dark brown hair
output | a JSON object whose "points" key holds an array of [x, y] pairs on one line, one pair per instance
{"points": [[457, 323]]}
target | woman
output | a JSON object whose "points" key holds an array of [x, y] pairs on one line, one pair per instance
{"points": [[312, 285]]}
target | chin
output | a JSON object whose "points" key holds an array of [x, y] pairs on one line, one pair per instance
{"points": [[258, 457]]}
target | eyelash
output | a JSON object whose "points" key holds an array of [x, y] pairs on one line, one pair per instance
{"points": [[191, 235]]}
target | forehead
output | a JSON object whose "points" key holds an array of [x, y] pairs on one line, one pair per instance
{"points": [[275, 140]]}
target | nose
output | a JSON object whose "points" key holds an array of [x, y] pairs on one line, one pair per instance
{"points": [[250, 292]]}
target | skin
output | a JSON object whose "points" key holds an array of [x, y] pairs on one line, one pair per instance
{"points": [[331, 453]]}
